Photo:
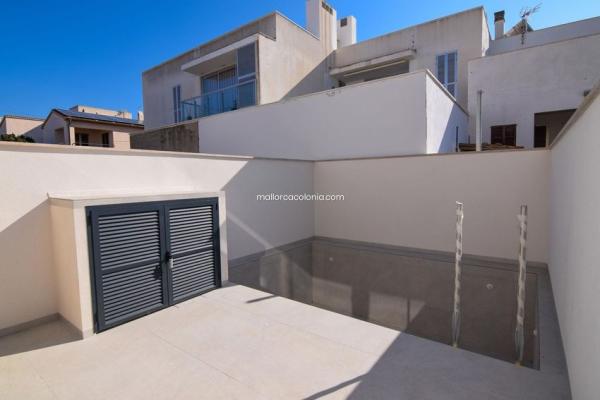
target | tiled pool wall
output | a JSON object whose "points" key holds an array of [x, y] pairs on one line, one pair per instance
{"points": [[406, 289]]}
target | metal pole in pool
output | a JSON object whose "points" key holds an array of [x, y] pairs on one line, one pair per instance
{"points": [[519, 333], [457, 275]]}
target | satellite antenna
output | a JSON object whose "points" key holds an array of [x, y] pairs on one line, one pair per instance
{"points": [[525, 14]]}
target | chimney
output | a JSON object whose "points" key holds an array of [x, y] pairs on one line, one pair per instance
{"points": [[499, 24], [346, 31]]}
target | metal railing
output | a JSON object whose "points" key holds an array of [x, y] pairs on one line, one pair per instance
{"points": [[219, 101]]}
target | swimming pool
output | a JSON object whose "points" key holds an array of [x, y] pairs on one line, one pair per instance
{"points": [[410, 290]]}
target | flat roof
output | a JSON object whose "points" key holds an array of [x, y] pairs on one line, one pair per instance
{"points": [[213, 40], [4, 117]]}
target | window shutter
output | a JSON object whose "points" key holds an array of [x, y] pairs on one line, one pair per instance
{"points": [[504, 134], [452, 67], [510, 135], [496, 136], [441, 68]]}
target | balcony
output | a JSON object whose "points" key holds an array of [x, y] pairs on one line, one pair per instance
{"points": [[218, 101]]}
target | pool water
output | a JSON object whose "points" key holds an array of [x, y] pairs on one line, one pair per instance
{"points": [[404, 289]]}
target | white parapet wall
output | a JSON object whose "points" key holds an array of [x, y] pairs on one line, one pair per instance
{"points": [[28, 283], [410, 201], [405, 114], [574, 244]]}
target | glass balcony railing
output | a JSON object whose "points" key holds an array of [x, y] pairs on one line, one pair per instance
{"points": [[219, 101]]}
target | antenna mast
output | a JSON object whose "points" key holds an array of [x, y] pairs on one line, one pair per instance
{"points": [[525, 14]]}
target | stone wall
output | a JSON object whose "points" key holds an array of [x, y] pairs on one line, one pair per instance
{"points": [[181, 137]]}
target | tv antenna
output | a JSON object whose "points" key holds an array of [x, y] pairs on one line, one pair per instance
{"points": [[525, 13]]}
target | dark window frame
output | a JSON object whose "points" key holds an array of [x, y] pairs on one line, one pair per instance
{"points": [[82, 139], [504, 134]]}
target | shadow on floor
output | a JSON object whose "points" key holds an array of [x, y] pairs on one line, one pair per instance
{"points": [[334, 389], [46, 335], [261, 299], [416, 368]]}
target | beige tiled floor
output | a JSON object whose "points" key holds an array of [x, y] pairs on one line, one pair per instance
{"points": [[238, 342]]}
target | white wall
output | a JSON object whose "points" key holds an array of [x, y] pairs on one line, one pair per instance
{"points": [[518, 84], [294, 64], [574, 247], [539, 37], [53, 123], [22, 126], [410, 201], [383, 117], [464, 32], [27, 281], [444, 120]]}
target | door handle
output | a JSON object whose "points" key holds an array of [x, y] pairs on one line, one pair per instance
{"points": [[169, 258]]}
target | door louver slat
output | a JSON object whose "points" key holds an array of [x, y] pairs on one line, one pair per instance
{"points": [[192, 274]]}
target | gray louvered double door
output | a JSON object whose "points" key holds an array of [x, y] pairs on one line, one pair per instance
{"points": [[147, 256]]}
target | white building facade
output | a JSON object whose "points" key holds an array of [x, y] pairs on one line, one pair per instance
{"points": [[530, 85]]}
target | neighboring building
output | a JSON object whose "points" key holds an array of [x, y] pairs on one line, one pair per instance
{"points": [[444, 46], [261, 62], [78, 126], [273, 59], [367, 119], [539, 75], [531, 84], [90, 126], [19, 125]]}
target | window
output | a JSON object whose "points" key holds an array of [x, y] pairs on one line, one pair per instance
{"points": [[105, 142], [246, 74], [177, 103], [504, 134], [246, 63], [82, 139], [220, 93], [233, 87], [447, 71]]}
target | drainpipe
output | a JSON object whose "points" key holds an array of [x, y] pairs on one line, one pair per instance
{"points": [[478, 122]]}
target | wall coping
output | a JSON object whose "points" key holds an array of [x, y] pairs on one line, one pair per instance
{"points": [[59, 148], [82, 199]]}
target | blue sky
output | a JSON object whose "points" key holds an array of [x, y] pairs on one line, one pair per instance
{"points": [[61, 53]]}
